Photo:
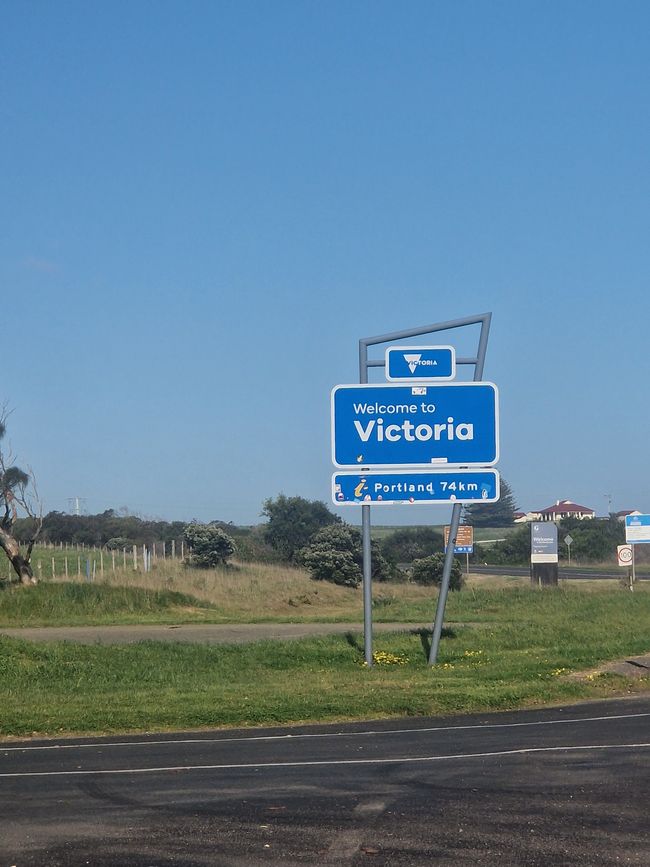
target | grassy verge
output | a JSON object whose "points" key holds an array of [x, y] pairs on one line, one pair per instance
{"points": [[77, 604], [248, 593], [255, 593], [519, 657]]}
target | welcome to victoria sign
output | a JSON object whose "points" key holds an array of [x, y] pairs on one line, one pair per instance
{"points": [[387, 425], [434, 442]]}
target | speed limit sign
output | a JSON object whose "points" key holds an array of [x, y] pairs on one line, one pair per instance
{"points": [[624, 555]]}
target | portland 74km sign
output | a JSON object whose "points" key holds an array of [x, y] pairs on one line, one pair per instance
{"points": [[415, 425]]}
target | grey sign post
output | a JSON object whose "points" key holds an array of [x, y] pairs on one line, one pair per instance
{"points": [[543, 553], [365, 363]]}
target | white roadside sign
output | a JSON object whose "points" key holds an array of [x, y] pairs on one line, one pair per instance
{"points": [[624, 553]]}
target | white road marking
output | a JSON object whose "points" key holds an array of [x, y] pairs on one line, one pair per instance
{"points": [[306, 736], [370, 808], [326, 762], [345, 844]]}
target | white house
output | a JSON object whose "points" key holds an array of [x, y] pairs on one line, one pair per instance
{"points": [[562, 509]]}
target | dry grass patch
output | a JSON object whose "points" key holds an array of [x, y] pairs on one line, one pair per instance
{"points": [[245, 591]]}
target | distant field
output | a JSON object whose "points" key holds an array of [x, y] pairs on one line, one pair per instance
{"points": [[480, 533]]}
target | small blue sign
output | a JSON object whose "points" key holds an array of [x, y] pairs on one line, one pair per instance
{"points": [[637, 529], [420, 363], [380, 426], [435, 486]]}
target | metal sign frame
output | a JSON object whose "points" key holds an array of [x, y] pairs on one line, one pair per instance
{"points": [[478, 362]]}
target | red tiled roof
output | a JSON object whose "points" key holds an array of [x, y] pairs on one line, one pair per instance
{"points": [[565, 506]]}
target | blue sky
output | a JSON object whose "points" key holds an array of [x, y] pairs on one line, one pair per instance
{"points": [[206, 204]]}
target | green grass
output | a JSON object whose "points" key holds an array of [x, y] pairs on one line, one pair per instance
{"points": [[74, 604], [526, 642]]}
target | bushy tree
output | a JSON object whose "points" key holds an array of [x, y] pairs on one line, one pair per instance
{"points": [[17, 493], [499, 514], [411, 543], [100, 529], [592, 539], [428, 570], [514, 550], [335, 554], [293, 521], [210, 546]]}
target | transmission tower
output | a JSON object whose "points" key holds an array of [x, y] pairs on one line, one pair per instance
{"points": [[75, 504]]}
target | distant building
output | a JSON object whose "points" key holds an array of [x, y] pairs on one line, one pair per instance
{"points": [[519, 517], [560, 510], [621, 516]]}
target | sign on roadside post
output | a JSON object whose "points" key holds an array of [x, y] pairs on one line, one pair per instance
{"points": [[392, 487], [624, 555], [637, 529], [543, 553], [423, 424], [568, 541], [464, 539], [400, 426]]}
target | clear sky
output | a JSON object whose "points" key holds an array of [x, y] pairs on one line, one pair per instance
{"points": [[205, 204]]}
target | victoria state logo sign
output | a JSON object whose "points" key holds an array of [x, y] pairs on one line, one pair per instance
{"points": [[414, 361], [420, 362]]}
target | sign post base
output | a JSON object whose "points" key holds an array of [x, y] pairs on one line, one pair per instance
{"points": [[544, 574]]}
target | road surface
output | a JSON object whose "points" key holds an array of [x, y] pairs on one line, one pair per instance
{"points": [[565, 786], [580, 574]]}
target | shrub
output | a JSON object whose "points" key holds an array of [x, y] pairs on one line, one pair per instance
{"points": [[335, 554], [210, 545], [428, 570], [117, 543]]}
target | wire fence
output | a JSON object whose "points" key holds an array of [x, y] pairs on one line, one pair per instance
{"points": [[60, 561]]}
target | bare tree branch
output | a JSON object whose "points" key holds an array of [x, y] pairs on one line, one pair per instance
{"points": [[15, 485]]}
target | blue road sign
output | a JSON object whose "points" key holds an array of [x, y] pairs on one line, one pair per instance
{"points": [[377, 426], [408, 363], [637, 529], [434, 486]]}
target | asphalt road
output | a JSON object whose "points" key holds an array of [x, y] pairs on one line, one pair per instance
{"points": [[565, 786], [580, 574]]}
